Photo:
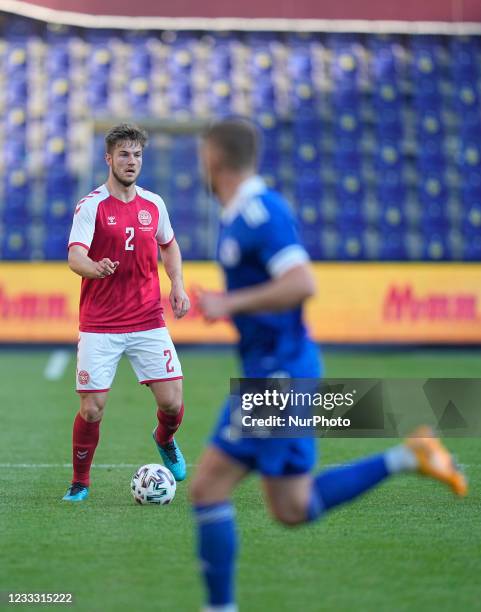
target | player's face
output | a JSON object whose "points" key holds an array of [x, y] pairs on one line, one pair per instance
{"points": [[125, 162], [211, 165]]}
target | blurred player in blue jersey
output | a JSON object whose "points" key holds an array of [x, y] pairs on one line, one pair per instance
{"points": [[268, 278]]}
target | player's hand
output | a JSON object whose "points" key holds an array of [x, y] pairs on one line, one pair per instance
{"points": [[105, 267], [213, 305], [179, 300]]}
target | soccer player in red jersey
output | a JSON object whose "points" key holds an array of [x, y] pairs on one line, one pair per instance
{"points": [[114, 243]]}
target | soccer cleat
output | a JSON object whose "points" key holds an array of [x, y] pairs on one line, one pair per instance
{"points": [[434, 460], [173, 458], [76, 492]]}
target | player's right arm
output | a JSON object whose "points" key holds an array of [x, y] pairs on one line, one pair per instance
{"points": [[81, 236], [80, 263]]}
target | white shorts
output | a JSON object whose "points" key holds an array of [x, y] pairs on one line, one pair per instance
{"points": [[151, 354]]}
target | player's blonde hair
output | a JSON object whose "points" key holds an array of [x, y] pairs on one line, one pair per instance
{"points": [[125, 132]]}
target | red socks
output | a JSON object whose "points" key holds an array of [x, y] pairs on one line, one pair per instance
{"points": [[86, 437], [84, 442], [168, 425]]}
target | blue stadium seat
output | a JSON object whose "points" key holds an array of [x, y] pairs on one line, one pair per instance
{"points": [[220, 95], [465, 51], [263, 95], [393, 245], [139, 96], [140, 62], [306, 155], [467, 105], [345, 68], [312, 242], [16, 192], [436, 247], [16, 90], [433, 188], [16, 60], [306, 125], [385, 66], [350, 188], [429, 127], [56, 153], [387, 105], [472, 247], [389, 157], [100, 61], [56, 241], [308, 189], [14, 153], [347, 156], [15, 243], [351, 244], [58, 60], [392, 218], [472, 219], [60, 185], [59, 211], [299, 64], [348, 125]]}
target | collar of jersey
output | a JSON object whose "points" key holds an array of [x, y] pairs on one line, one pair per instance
{"points": [[104, 186], [252, 186]]}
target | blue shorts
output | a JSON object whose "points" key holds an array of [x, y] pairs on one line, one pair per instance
{"points": [[271, 456]]}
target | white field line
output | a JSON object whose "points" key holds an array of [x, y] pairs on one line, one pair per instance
{"points": [[57, 364]]}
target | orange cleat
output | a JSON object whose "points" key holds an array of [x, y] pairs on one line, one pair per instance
{"points": [[436, 461]]}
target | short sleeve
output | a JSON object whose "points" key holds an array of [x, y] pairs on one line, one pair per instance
{"points": [[280, 246], [83, 225], [165, 233]]}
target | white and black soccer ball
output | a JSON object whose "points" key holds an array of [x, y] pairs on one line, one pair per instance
{"points": [[153, 484]]}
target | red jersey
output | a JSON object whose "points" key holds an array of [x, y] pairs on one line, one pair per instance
{"points": [[130, 233]]}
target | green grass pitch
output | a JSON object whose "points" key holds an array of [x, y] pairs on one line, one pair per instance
{"points": [[407, 546]]}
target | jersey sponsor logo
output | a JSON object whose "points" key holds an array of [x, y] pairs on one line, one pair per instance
{"points": [[83, 377], [111, 221], [229, 252], [145, 218]]}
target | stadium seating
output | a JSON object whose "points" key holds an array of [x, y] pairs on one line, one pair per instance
{"points": [[375, 139]]}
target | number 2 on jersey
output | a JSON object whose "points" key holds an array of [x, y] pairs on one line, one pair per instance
{"points": [[130, 236]]}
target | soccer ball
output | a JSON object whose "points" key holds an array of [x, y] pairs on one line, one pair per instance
{"points": [[153, 484]]}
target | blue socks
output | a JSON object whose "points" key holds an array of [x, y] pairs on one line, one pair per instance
{"points": [[217, 549], [341, 484]]}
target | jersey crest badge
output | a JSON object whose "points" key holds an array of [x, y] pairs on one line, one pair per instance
{"points": [[229, 252], [145, 218], [83, 377], [111, 221]]}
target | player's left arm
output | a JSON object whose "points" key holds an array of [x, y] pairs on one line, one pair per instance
{"points": [[172, 260]]}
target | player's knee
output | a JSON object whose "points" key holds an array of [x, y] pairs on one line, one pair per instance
{"points": [[171, 403], [202, 491], [289, 516], [197, 490], [91, 409]]}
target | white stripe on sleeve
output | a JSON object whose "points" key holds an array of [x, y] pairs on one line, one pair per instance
{"points": [[285, 259]]}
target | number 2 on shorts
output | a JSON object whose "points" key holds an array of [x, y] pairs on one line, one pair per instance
{"points": [[169, 368]]}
